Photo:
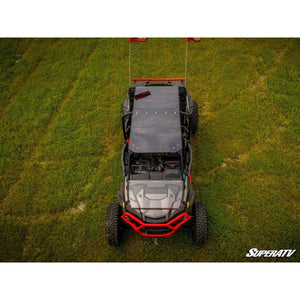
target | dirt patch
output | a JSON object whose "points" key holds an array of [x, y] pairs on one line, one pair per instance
{"points": [[78, 209]]}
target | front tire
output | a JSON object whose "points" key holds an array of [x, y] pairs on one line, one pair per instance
{"points": [[200, 233], [113, 224]]}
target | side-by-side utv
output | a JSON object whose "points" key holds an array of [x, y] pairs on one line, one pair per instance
{"points": [[156, 197]]}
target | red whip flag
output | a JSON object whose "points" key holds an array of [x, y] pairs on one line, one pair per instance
{"points": [[193, 39], [132, 40]]}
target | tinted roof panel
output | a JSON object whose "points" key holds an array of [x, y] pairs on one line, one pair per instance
{"points": [[155, 120]]}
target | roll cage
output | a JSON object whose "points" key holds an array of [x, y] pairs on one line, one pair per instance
{"points": [[184, 102]]}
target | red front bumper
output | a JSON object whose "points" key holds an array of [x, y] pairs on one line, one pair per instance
{"points": [[140, 227]]}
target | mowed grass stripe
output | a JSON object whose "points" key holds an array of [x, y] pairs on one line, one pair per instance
{"points": [[11, 52], [37, 180], [67, 152], [35, 104], [83, 123], [221, 137], [109, 75], [25, 63], [254, 204], [54, 116]]}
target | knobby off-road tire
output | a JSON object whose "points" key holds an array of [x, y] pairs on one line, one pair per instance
{"points": [[194, 117], [200, 233], [113, 224]]}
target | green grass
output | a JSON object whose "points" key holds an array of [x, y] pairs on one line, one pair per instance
{"points": [[61, 142], [19, 59], [29, 114]]}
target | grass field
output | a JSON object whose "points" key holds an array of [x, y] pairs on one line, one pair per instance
{"points": [[61, 142]]}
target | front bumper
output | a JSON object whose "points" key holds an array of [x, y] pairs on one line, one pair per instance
{"points": [[155, 229]]}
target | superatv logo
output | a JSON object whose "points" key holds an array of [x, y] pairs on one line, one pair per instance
{"points": [[270, 253]]}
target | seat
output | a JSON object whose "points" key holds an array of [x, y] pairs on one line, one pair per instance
{"points": [[142, 176], [172, 174], [156, 175]]}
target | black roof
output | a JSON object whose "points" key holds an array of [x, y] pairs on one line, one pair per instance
{"points": [[155, 126]]}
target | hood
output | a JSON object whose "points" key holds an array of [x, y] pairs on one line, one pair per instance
{"points": [[155, 199]]}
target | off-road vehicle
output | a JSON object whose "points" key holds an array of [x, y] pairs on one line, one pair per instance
{"points": [[156, 197]]}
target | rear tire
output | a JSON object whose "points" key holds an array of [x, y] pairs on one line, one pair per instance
{"points": [[123, 109], [194, 117], [113, 224], [200, 233]]}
